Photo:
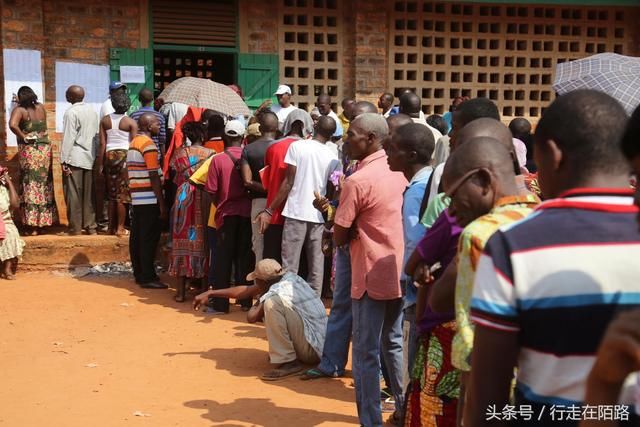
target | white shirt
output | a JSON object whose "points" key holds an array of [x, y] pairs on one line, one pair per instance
{"points": [[441, 153], [339, 131], [107, 108], [333, 147], [314, 163], [436, 133], [282, 113], [435, 182], [177, 111]]}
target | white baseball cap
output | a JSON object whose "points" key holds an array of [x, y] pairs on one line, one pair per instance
{"points": [[282, 89], [234, 128]]}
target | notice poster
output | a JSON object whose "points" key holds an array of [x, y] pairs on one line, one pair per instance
{"points": [[94, 79], [132, 74], [21, 68]]}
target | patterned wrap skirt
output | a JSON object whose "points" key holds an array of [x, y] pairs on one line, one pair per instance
{"points": [[435, 383], [117, 178]]}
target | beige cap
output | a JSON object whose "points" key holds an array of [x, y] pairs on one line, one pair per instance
{"points": [[254, 130], [266, 270]]}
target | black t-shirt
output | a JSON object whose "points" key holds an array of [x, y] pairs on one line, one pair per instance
{"points": [[253, 155]]}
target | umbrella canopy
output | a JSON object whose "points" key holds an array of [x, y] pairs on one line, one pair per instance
{"points": [[205, 93], [617, 75]]}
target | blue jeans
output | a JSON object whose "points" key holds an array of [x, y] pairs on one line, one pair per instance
{"points": [[376, 323], [336, 343]]}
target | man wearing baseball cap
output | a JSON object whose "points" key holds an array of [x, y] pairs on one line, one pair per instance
{"points": [[294, 316], [232, 218], [284, 107]]}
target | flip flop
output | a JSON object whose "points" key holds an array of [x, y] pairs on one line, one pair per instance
{"points": [[125, 233], [279, 374], [314, 374]]}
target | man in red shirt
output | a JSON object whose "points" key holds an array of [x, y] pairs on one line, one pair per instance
{"points": [[298, 125], [233, 222]]}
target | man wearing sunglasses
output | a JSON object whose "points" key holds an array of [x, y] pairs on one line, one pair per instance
{"points": [[479, 178]]}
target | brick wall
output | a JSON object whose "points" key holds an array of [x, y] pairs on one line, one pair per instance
{"points": [[68, 30], [65, 30], [370, 48], [258, 26]]}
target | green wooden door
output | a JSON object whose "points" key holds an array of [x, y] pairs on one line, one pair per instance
{"points": [[258, 77], [140, 57]]}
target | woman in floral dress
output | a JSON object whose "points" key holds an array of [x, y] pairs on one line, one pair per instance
{"points": [[29, 123], [189, 250]]}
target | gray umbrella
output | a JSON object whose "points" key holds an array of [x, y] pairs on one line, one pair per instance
{"points": [[616, 75], [205, 93]]}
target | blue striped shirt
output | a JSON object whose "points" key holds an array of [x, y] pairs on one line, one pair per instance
{"points": [[161, 139], [557, 278]]}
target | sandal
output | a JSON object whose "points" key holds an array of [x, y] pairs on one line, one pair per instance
{"points": [[125, 233], [285, 370], [314, 374]]}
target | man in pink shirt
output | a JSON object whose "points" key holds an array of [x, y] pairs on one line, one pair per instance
{"points": [[369, 219]]}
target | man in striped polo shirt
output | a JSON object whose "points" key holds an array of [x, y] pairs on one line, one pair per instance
{"points": [[547, 287], [145, 184]]}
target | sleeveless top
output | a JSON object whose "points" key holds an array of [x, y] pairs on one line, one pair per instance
{"points": [[117, 139], [34, 130]]}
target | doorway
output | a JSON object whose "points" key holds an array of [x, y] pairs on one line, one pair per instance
{"points": [[170, 65]]}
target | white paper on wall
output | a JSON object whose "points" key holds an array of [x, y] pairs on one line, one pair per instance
{"points": [[94, 79], [21, 68], [132, 74]]}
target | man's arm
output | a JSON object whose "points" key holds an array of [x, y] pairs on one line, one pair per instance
{"points": [[256, 313], [156, 185], [494, 310], [102, 149], [618, 356], [264, 218], [341, 235], [285, 188], [237, 292], [150, 155], [442, 298], [494, 356], [247, 178]]}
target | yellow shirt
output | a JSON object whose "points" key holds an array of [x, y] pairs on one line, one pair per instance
{"points": [[199, 177], [345, 124], [470, 247]]}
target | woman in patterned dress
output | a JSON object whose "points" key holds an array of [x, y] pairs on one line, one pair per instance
{"points": [[189, 251], [29, 123], [11, 245]]}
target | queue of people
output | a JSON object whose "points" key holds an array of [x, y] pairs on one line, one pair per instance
{"points": [[469, 274]]}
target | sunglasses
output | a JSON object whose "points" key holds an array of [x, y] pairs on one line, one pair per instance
{"points": [[451, 192]]}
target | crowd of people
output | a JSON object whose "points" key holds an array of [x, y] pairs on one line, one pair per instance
{"points": [[476, 278]]}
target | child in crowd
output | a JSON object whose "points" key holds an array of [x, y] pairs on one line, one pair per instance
{"points": [[11, 245]]}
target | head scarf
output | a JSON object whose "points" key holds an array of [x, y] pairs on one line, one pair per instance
{"points": [[298, 115]]}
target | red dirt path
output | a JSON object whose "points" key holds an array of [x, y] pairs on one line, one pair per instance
{"points": [[153, 355]]}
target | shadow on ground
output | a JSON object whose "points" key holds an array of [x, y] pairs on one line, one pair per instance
{"points": [[263, 412], [253, 363]]}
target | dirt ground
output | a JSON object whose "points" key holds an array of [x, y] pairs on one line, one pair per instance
{"points": [[95, 351]]}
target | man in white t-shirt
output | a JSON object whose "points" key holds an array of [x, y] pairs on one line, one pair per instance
{"points": [[284, 106], [310, 164], [323, 103]]}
